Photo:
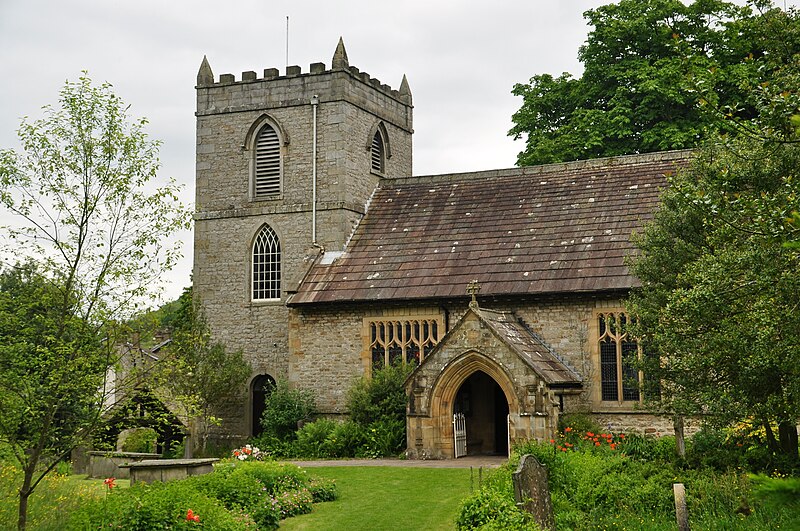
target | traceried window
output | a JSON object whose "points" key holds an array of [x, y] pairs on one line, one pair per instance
{"points": [[267, 164], [378, 153], [619, 352], [407, 341], [266, 265]]}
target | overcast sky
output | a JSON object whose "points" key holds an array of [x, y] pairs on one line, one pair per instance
{"points": [[462, 59]]}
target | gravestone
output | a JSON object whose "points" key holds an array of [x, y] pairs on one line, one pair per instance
{"points": [[532, 492]]}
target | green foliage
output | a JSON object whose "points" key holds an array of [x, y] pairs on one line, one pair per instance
{"points": [[657, 75], [578, 422], [140, 409], [237, 495], [602, 489], [140, 440], [720, 289], [284, 407], [322, 490], [85, 208], [489, 509], [380, 396], [157, 506], [200, 375], [376, 428], [55, 496]]}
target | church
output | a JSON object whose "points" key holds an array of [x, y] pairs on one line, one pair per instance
{"points": [[321, 257]]}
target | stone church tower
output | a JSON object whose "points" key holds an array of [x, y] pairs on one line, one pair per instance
{"points": [[286, 165]]}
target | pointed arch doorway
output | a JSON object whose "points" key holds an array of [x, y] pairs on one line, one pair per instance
{"points": [[483, 403]]}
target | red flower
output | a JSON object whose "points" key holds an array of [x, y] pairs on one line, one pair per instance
{"points": [[597, 443], [589, 434], [191, 517], [613, 446], [552, 441], [621, 435], [109, 482], [567, 429]]}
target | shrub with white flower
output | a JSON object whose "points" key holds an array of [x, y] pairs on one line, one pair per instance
{"points": [[247, 453]]}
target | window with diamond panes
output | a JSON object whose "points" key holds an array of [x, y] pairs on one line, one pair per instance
{"points": [[377, 153], [408, 341], [619, 352], [267, 164], [266, 265]]}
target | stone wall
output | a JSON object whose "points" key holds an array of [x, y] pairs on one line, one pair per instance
{"points": [[229, 113]]}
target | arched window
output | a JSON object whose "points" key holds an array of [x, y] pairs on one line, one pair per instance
{"points": [[267, 164], [266, 265], [378, 153]]}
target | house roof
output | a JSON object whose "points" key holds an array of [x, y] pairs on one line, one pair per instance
{"points": [[559, 228], [530, 348]]}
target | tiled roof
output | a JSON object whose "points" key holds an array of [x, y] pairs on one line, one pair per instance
{"points": [[560, 228], [530, 348]]}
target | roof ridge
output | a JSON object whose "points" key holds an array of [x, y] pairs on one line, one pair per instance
{"points": [[544, 169]]}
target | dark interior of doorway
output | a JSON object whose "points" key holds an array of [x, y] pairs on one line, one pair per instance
{"points": [[485, 409], [262, 386]]}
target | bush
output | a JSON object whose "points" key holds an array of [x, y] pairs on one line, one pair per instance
{"points": [[284, 408], [384, 437], [579, 422], [493, 507], [315, 440], [237, 495], [140, 440], [322, 490], [157, 506], [382, 396]]}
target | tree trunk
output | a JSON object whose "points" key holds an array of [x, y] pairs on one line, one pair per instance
{"points": [[787, 435], [24, 494], [771, 443], [680, 442]]}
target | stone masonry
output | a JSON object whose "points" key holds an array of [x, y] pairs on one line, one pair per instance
{"points": [[351, 106]]}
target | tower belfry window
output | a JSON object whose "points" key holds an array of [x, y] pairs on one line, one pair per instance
{"points": [[267, 164], [378, 153], [266, 265]]}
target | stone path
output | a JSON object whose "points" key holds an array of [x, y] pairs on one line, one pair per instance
{"points": [[476, 461]]}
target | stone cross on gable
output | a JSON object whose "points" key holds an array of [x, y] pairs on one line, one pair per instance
{"points": [[473, 288]]}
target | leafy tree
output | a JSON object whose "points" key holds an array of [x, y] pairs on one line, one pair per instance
{"points": [[200, 375], [720, 286], [652, 70], [86, 210]]}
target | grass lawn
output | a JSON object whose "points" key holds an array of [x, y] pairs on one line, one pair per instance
{"points": [[393, 498]]}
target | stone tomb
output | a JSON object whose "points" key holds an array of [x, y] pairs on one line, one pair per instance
{"points": [[168, 469]]}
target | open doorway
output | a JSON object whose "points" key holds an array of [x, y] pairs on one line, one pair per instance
{"points": [[485, 410], [260, 388]]}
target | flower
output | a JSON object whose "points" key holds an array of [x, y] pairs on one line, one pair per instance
{"points": [[567, 429], [109, 482], [191, 517], [552, 441]]}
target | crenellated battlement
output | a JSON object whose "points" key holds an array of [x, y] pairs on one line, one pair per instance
{"points": [[340, 63]]}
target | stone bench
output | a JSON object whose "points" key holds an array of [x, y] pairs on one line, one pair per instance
{"points": [[110, 464], [164, 470]]}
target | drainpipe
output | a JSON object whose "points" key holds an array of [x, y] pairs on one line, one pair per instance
{"points": [[314, 103]]}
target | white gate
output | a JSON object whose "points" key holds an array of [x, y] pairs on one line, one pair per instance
{"points": [[460, 434]]}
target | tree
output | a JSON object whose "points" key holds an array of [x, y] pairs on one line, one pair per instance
{"points": [[720, 274], [650, 68], [200, 376], [86, 210]]}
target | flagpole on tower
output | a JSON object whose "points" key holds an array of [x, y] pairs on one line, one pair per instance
{"points": [[287, 40]]}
